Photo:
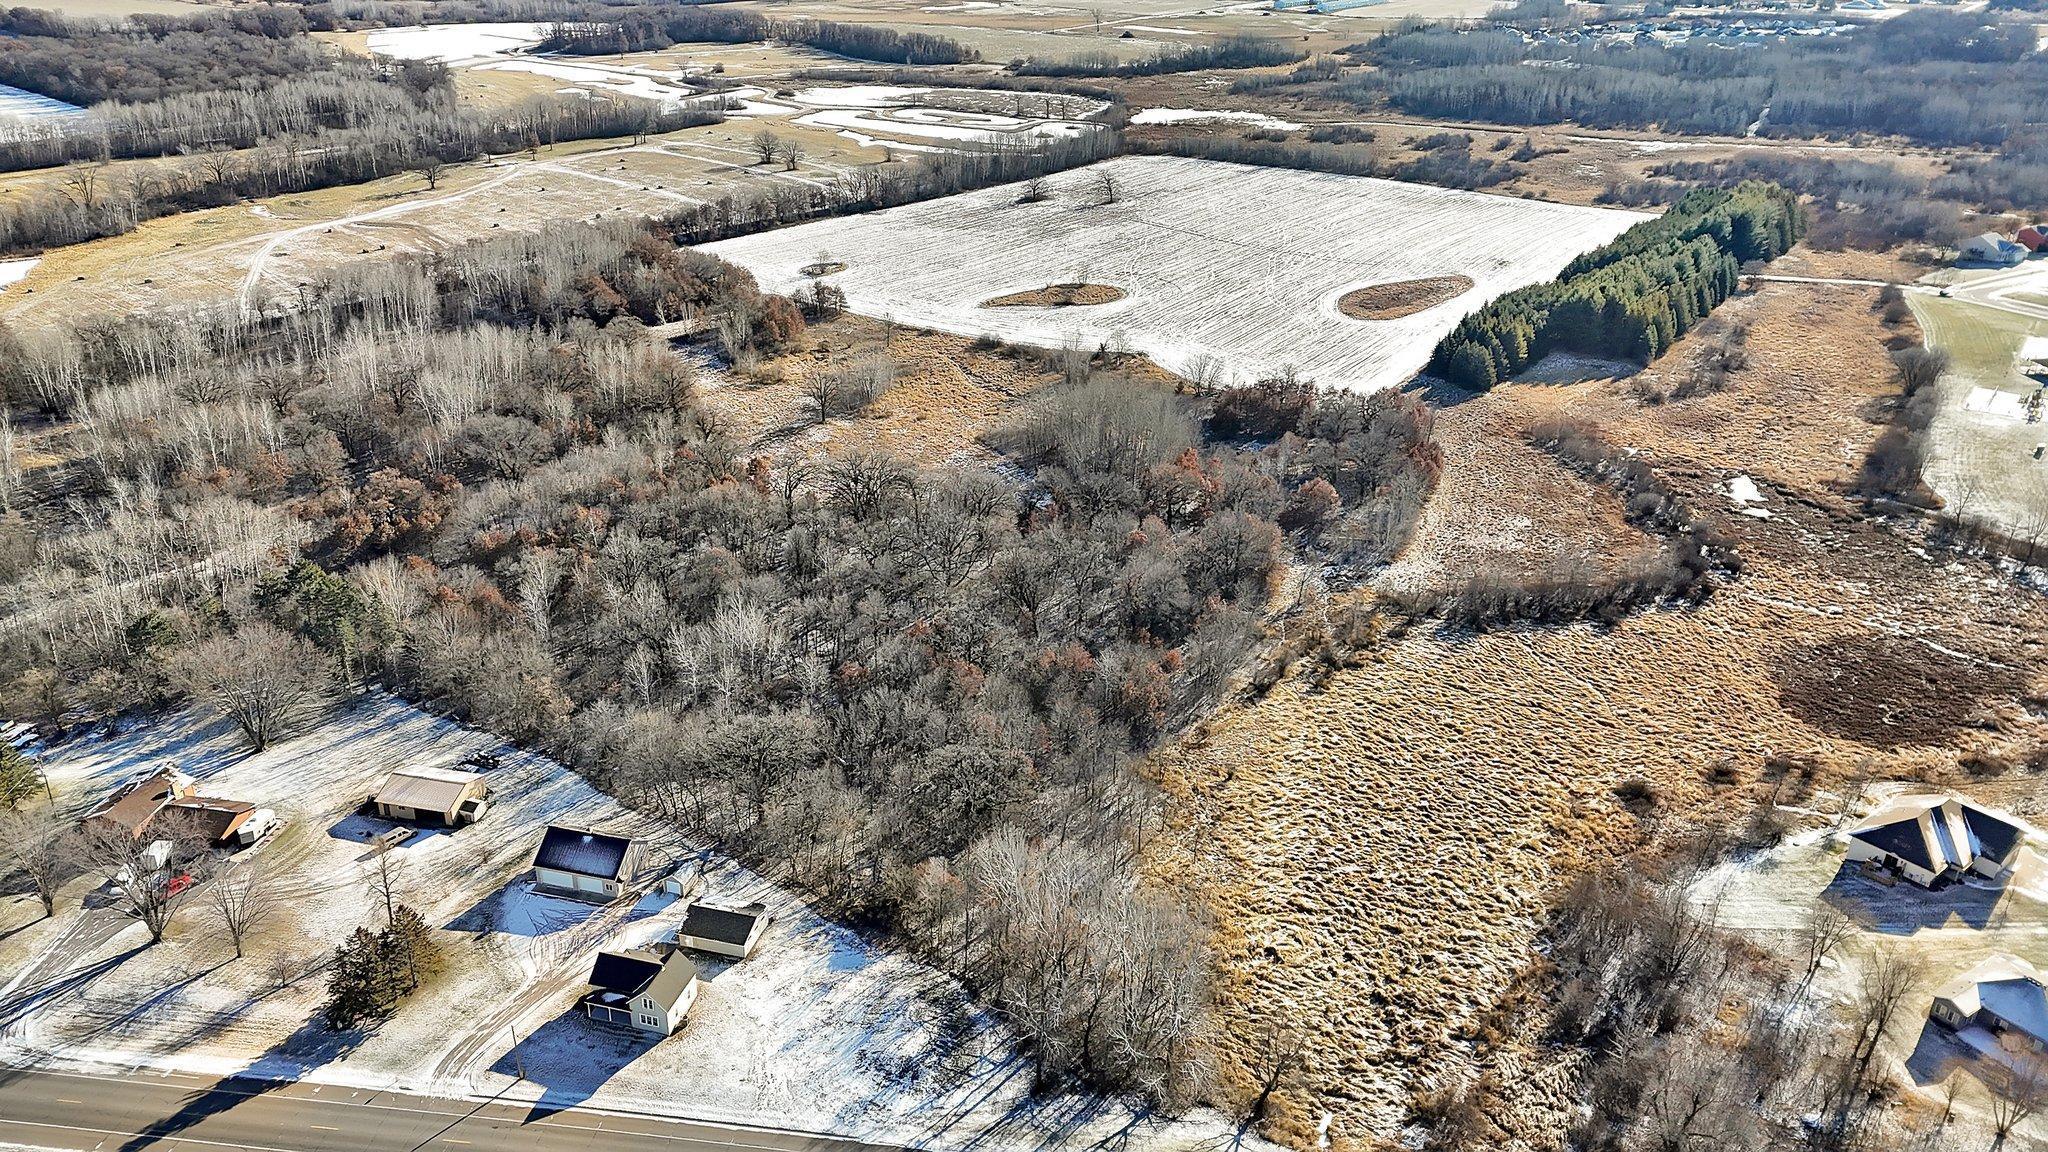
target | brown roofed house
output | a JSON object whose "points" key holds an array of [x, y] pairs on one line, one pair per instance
{"points": [[136, 803]]}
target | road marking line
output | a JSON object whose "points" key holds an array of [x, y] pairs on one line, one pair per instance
{"points": [[324, 1127]]}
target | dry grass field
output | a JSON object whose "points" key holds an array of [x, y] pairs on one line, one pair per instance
{"points": [[947, 392], [272, 246], [1378, 851]]}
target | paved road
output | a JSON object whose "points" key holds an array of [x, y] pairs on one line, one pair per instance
{"points": [[126, 1114]]}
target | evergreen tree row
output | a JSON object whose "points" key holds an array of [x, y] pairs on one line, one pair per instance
{"points": [[1632, 298]]}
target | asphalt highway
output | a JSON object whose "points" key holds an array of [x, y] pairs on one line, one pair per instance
{"points": [[57, 1110]]}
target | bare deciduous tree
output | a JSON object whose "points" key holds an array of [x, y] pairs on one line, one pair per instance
{"points": [[767, 145], [156, 872], [264, 679], [44, 846], [1826, 929], [242, 895], [429, 168], [2018, 1081]]}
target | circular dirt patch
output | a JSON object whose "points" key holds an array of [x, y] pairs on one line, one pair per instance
{"points": [[1059, 296], [822, 268], [1402, 297]]}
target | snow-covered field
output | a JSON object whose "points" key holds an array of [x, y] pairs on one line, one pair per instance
{"points": [[818, 1031], [1229, 271], [1211, 115], [20, 104], [456, 45]]}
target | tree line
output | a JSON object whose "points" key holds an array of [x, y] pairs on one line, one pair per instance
{"points": [[650, 29], [149, 57], [1630, 298], [1942, 78]]}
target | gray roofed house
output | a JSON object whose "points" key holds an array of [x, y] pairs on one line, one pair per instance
{"points": [[650, 989], [2004, 997], [587, 864], [723, 929], [1934, 840]]}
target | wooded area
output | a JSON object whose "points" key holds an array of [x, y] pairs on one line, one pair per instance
{"points": [[1632, 298], [1944, 78]]}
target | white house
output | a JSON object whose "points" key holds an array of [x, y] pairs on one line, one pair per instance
{"points": [[585, 864], [723, 929], [1936, 839], [1991, 248], [651, 990], [2005, 996]]}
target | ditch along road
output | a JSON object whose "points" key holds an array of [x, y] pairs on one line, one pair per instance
{"points": [[75, 1113]]}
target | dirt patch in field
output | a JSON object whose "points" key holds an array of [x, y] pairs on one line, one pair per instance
{"points": [[944, 394], [1889, 692], [1059, 296], [1402, 297], [823, 268]]}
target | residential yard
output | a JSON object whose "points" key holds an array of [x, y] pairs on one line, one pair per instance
{"points": [[1768, 896], [819, 1030], [1981, 447], [1228, 271]]}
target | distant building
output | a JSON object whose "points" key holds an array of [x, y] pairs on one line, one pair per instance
{"points": [[2004, 996], [132, 806], [1936, 840], [585, 864], [432, 796], [650, 989], [1991, 248], [723, 929]]}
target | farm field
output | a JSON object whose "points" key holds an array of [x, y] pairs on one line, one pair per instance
{"points": [[1313, 818], [251, 251], [818, 1031], [1229, 272], [1981, 445], [1004, 30]]}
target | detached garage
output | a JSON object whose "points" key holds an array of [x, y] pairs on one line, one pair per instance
{"points": [[585, 864], [432, 796]]}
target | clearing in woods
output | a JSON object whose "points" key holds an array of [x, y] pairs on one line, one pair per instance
{"points": [[1229, 271]]}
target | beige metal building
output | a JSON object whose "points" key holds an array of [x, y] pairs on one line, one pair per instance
{"points": [[432, 796]]}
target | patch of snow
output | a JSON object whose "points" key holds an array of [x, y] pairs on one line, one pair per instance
{"points": [[1206, 115], [1745, 496], [456, 45], [858, 96], [14, 271], [21, 104]]}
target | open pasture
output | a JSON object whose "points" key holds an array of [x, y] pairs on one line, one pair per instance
{"points": [[267, 249], [1228, 271]]}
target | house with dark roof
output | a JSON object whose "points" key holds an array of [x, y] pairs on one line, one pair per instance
{"points": [[2004, 997], [1935, 840], [586, 864], [211, 819], [444, 796], [723, 929], [132, 806], [650, 989]]}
